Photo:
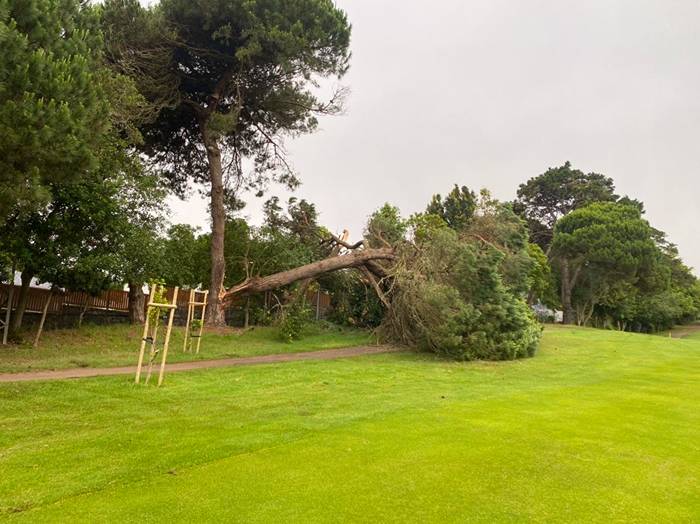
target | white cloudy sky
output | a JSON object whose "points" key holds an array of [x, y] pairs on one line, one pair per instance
{"points": [[489, 93]]}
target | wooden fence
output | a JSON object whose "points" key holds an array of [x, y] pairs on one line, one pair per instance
{"points": [[112, 300]]}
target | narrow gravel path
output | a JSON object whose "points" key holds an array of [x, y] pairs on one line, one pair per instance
{"points": [[328, 354]]}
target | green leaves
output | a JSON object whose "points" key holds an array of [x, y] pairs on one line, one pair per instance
{"points": [[53, 112]]}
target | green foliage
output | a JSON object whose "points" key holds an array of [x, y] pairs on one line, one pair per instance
{"points": [[185, 259], [293, 320], [385, 227], [81, 238], [259, 60], [157, 296], [353, 301], [541, 280], [53, 106], [608, 254], [449, 297], [456, 209], [544, 199]]}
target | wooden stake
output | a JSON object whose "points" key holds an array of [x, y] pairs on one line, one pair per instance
{"points": [[201, 321], [143, 343], [154, 336], [43, 318], [167, 337], [190, 308], [154, 341]]}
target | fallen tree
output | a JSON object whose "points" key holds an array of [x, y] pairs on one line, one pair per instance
{"points": [[365, 259]]}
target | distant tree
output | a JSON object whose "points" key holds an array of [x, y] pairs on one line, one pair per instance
{"points": [[456, 209], [53, 107], [546, 198], [238, 77], [541, 282], [596, 247], [184, 255]]}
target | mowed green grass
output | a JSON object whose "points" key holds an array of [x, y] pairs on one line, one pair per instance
{"points": [[118, 345], [598, 427]]}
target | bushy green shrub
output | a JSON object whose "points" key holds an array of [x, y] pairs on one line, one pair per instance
{"points": [[293, 320]]}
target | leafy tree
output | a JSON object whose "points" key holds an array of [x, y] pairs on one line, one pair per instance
{"points": [[141, 251], [597, 247], [77, 241], [385, 227], [664, 294], [544, 199], [185, 257], [239, 76], [53, 108], [456, 209], [542, 287]]}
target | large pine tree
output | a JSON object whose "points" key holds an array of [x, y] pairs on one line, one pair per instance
{"points": [[231, 77], [52, 109]]}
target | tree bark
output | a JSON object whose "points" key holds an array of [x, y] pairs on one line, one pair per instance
{"points": [[137, 303], [568, 281], [27, 277], [215, 310], [354, 259], [569, 315]]}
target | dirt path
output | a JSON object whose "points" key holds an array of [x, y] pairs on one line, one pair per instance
{"points": [[686, 330], [328, 354]]}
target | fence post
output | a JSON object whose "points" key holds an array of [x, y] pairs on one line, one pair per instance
{"points": [[318, 303], [10, 298], [43, 318]]}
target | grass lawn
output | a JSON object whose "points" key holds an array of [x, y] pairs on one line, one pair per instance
{"points": [[599, 427], [118, 345]]}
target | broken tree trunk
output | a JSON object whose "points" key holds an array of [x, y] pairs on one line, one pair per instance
{"points": [[354, 259]]}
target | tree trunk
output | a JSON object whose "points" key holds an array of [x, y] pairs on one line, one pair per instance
{"points": [[354, 259], [215, 310], [569, 316], [137, 303], [27, 277]]}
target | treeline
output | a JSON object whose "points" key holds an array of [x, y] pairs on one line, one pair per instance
{"points": [[610, 267]]}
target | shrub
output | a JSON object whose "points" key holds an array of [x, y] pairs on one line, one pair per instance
{"points": [[293, 320]]}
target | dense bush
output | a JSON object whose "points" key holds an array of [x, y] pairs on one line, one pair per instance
{"points": [[293, 320]]}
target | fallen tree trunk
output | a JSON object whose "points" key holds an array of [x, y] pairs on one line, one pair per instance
{"points": [[354, 259]]}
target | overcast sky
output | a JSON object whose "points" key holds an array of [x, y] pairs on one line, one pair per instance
{"points": [[490, 93]]}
